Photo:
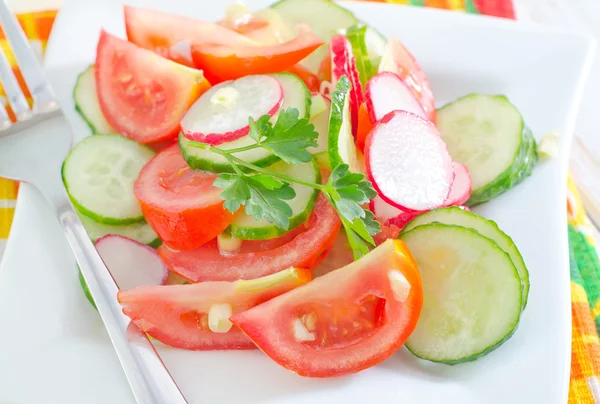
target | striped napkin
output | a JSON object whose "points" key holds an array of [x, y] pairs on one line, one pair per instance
{"points": [[585, 266]]}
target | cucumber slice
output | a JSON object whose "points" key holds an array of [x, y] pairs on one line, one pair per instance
{"points": [[140, 232], [199, 157], [99, 174], [245, 227], [487, 228], [366, 62], [295, 95], [487, 134], [324, 16], [86, 290], [472, 294], [318, 105], [375, 44], [87, 104], [342, 149], [321, 124]]}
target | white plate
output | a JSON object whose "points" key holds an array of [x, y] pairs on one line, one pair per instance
{"points": [[54, 349]]}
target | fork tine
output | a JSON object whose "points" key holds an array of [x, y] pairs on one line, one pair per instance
{"points": [[43, 96], [16, 98]]}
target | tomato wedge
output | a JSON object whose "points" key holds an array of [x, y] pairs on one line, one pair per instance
{"points": [[180, 204], [142, 95], [345, 321], [197, 316], [265, 26], [364, 127], [397, 59], [305, 247], [230, 62], [172, 35], [312, 82]]}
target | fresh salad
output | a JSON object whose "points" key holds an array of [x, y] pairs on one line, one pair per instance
{"points": [[282, 180]]}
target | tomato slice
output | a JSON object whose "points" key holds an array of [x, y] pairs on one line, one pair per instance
{"points": [[171, 35], [181, 205], [305, 247], [265, 26], [197, 316], [312, 82], [345, 321], [397, 59], [364, 127], [142, 95], [230, 62]]}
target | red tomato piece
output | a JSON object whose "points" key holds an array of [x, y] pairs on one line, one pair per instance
{"points": [[197, 316], [397, 59], [364, 127], [388, 231], [161, 32], [181, 205], [312, 82], [305, 247], [345, 321], [230, 62], [142, 95], [343, 63]]}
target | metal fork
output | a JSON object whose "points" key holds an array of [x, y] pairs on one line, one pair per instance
{"points": [[32, 150]]}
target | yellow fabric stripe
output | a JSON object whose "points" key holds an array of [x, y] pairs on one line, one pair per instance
{"points": [[455, 4], [8, 52], [6, 218], [578, 294], [579, 392], [29, 26], [590, 339]]}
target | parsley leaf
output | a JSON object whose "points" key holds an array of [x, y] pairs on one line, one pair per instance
{"points": [[347, 192], [260, 128], [290, 137], [262, 196], [264, 193], [235, 190], [359, 248]]}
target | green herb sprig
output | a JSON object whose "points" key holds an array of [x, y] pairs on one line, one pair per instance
{"points": [[263, 192]]}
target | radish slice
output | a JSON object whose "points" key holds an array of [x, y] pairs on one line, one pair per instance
{"points": [[460, 192], [383, 210], [408, 162], [343, 63], [391, 215], [402, 219], [130, 263], [387, 92], [221, 114]]}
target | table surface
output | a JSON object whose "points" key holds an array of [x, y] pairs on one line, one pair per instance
{"points": [[580, 16]]}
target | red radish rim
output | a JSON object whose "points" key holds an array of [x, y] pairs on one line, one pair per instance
{"points": [[341, 48], [461, 173], [214, 139], [387, 118], [124, 239], [374, 81], [402, 219]]}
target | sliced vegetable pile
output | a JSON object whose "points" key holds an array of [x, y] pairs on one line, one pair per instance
{"points": [[259, 151]]}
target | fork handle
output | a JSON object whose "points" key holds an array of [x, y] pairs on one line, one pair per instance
{"points": [[148, 377]]}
